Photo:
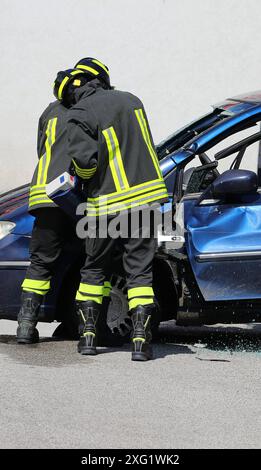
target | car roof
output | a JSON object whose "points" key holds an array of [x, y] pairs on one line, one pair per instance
{"points": [[234, 122], [240, 103], [251, 97]]}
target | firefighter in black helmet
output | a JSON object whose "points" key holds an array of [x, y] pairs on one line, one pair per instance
{"points": [[95, 69], [111, 147], [52, 227]]}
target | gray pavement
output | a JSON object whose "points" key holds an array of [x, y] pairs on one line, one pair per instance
{"points": [[201, 391]]}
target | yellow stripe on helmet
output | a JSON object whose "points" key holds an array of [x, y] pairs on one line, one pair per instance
{"points": [[95, 61], [89, 69], [61, 87], [75, 72], [65, 80]]}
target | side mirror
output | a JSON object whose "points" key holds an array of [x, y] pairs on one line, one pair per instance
{"points": [[235, 182]]}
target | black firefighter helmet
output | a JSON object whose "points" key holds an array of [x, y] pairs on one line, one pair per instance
{"points": [[64, 79], [95, 69]]}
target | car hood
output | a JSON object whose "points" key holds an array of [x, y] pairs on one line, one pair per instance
{"points": [[13, 200]]}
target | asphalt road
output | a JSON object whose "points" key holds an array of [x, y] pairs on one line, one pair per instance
{"points": [[201, 391]]}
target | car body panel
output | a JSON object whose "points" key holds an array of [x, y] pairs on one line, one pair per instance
{"points": [[224, 248], [14, 258]]}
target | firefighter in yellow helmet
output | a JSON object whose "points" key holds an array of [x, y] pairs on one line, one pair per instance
{"points": [[52, 227], [111, 147]]}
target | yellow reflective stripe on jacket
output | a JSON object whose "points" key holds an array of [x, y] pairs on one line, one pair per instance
{"points": [[115, 159], [50, 141], [38, 196], [145, 133], [40, 201], [127, 191], [140, 190], [140, 197], [37, 188], [46, 158], [158, 193], [85, 175], [128, 205], [40, 168], [83, 172], [44, 200], [150, 144]]}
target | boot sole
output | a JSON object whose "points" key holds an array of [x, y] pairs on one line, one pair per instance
{"points": [[87, 352], [26, 341], [140, 357]]}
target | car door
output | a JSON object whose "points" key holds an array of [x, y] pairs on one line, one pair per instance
{"points": [[223, 244]]}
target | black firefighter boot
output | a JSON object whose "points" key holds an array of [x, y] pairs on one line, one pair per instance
{"points": [[105, 336], [27, 318], [141, 335], [88, 312]]}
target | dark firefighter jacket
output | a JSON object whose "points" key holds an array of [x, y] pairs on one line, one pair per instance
{"points": [[51, 150], [110, 144]]}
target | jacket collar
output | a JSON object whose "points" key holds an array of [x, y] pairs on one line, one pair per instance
{"points": [[88, 89]]}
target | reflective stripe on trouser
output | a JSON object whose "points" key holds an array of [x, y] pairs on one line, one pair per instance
{"points": [[107, 287], [136, 255], [37, 191], [142, 295], [51, 231], [33, 285], [90, 292]]}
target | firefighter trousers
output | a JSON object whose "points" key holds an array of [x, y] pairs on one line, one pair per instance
{"points": [[52, 230], [137, 258]]}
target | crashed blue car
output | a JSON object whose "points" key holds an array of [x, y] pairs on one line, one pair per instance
{"points": [[207, 275]]}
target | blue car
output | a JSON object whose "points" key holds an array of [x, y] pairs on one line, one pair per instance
{"points": [[209, 272]]}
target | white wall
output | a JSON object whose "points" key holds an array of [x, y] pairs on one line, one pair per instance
{"points": [[179, 56]]}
